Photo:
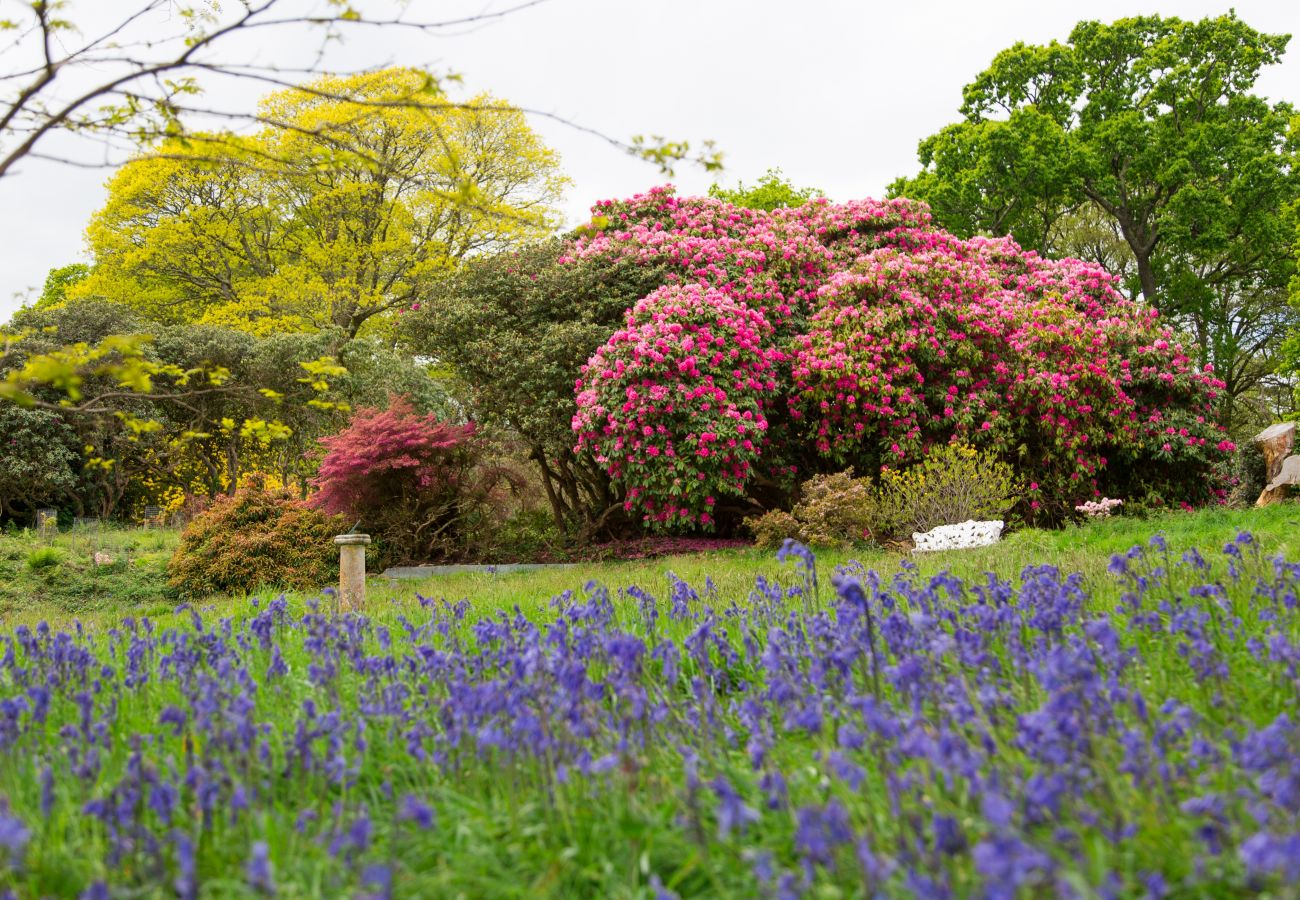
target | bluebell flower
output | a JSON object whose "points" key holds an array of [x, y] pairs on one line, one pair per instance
{"points": [[416, 811], [258, 870]]}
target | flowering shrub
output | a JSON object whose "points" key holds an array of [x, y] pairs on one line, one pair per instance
{"points": [[255, 539], [1099, 509], [954, 483], [1037, 361], [898, 737], [415, 483], [674, 404], [888, 337]]}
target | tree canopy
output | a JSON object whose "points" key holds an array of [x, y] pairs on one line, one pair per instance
{"points": [[1146, 126], [369, 200], [772, 191]]}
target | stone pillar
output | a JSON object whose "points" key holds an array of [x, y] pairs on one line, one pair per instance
{"points": [[352, 571]]}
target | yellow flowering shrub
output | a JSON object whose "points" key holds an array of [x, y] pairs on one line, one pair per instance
{"points": [[952, 484]]}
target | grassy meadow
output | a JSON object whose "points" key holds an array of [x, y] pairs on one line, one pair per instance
{"points": [[1089, 720], [58, 581]]}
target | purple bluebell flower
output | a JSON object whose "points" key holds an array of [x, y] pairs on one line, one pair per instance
{"points": [[417, 812], [258, 870]]}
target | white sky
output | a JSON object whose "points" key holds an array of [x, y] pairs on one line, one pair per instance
{"points": [[837, 93]]}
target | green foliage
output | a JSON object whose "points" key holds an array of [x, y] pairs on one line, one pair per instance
{"points": [[516, 329], [1245, 473], [530, 534], [772, 191], [135, 584], [58, 281], [834, 510], [771, 529], [221, 404], [953, 483], [254, 539], [1149, 124], [370, 188], [44, 558], [40, 461], [72, 322]]}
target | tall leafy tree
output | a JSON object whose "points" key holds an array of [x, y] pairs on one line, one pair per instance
{"points": [[772, 191], [369, 199], [516, 328], [1149, 127]]}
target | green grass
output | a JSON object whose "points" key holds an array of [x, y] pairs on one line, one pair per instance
{"points": [[509, 830], [135, 583], [58, 580]]}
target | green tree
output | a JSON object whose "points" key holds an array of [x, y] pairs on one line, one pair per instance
{"points": [[40, 461], [772, 191], [1150, 123], [369, 201], [516, 328], [58, 281]]}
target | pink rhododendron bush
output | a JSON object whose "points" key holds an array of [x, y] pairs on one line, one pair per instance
{"points": [[676, 403], [831, 335]]}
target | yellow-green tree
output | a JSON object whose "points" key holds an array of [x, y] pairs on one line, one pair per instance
{"points": [[362, 191]]}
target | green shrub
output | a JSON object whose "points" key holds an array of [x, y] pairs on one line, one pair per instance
{"points": [[952, 484], [530, 534], [773, 527], [44, 558], [256, 539], [833, 511], [1245, 474]]}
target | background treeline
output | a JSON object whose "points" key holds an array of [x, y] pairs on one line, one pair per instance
{"points": [[260, 407], [376, 242]]}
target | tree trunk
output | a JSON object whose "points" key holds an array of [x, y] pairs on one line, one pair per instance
{"points": [[1146, 276]]}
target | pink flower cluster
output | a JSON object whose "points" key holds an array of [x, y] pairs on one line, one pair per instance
{"points": [[1099, 509], [675, 404], [940, 339], [859, 331]]}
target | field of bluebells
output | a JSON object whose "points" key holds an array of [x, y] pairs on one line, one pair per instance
{"points": [[830, 734]]}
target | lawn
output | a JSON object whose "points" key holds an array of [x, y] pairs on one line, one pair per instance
{"points": [[135, 584], [1072, 724]]}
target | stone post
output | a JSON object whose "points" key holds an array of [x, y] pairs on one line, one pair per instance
{"points": [[352, 571]]}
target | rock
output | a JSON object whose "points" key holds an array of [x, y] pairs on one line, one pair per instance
{"points": [[1276, 443], [958, 537], [1288, 475]]}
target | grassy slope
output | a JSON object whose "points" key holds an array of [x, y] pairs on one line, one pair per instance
{"points": [[134, 585]]}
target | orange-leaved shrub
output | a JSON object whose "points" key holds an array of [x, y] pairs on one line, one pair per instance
{"points": [[256, 539], [834, 510]]}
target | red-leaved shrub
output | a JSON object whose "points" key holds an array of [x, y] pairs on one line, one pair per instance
{"points": [[415, 484]]}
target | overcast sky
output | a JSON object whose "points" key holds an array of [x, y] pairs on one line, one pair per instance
{"points": [[837, 93]]}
